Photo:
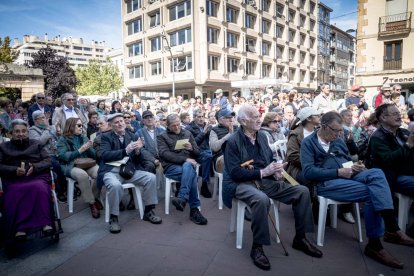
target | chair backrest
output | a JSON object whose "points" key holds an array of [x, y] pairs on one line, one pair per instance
{"points": [[281, 148]]}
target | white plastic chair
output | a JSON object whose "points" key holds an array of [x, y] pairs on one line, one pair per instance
{"points": [[218, 183], [169, 190], [137, 200], [70, 191], [281, 147], [323, 209], [237, 220], [404, 203]]}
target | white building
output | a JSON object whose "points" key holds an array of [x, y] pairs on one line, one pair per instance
{"points": [[74, 49], [215, 42]]}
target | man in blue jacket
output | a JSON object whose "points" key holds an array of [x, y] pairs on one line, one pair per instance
{"points": [[248, 143], [325, 161]]}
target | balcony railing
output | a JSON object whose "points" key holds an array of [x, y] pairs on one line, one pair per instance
{"points": [[395, 24], [392, 64]]}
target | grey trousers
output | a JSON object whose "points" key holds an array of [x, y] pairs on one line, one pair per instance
{"points": [[144, 180], [259, 203], [89, 190]]}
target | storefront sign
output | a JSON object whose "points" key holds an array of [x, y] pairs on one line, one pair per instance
{"points": [[397, 80]]}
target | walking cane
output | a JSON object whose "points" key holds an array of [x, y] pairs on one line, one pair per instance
{"points": [[248, 165]]}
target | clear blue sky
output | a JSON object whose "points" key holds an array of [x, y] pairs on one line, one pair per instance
{"points": [[99, 20]]}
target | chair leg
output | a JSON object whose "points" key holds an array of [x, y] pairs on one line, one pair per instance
{"points": [[216, 183], [138, 202], [323, 209], [334, 215], [106, 208], [167, 195], [220, 195], [241, 206], [403, 206], [358, 218], [70, 191]]}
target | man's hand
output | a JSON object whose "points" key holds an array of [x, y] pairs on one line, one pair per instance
{"points": [[156, 162], [358, 167], [271, 169], [133, 146], [410, 140], [231, 129], [188, 146], [192, 161], [20, 171], [207, 128], [30, 170], [345, 172]]}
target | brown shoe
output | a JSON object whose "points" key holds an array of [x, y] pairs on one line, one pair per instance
{"points": [[98, 204], [398, 237], [94, 210], [383, 257]]}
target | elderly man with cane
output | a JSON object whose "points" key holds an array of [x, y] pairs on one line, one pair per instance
{"points": [[239, 181]]}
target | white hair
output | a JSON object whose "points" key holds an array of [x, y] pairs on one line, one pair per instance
{"points": [[245, 112]]}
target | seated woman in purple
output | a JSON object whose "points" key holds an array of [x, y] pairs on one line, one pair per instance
{"points": [[24, 171]]}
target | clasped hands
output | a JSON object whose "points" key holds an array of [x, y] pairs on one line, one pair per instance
{"points": [[21, 171], [349, 172], [274, 169], [137, 145]]}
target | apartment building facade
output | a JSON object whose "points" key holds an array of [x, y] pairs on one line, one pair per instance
{"points": [[324, 36], [75, 50], [199, 46], [385, 43], [341, 60]]}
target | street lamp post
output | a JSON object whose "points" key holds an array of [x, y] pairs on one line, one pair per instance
{"points": [[164, 37]]}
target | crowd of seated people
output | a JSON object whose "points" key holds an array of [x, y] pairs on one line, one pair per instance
{"points": [[220, 135]]}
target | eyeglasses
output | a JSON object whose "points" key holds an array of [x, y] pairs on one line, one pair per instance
{"points": [[70, 100], [40, 98], [79, 125], [362, 90], [275, 121], [127, 117], [336, 130]]}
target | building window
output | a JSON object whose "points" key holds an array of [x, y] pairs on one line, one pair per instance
{"points": [[265, 26], [312, 60], [393, 55], [291, 16], [266, 68], [232, 40], [180, 37], [155, 44], [232, 65], [292, 34], [213, 62], [279, 31], [135, 26], [280, 70], [302, 39], [136, 72], [312, 7], [265, 48], [250, 45], [292, 53], [302, 75], [180, 10], [156, 68], [250, 67], [249, 21], [312, 25], [212, 35], [135, 49], [312, 76], [302, 21], [133, 5], [265, 5], [312, 42], [302, 57], [302, 3], [279, 10], [212, 8], [181, 64], [231, 15], [279, 51], [155, 19], [292, 73]]}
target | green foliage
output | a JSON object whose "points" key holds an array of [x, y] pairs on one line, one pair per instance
{"points": [[10, 93], [59, 77], [98, 78], [7, 54]]}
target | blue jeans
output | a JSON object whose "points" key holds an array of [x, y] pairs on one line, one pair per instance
{"points": [[204, 159], [370, 187], [405, 185], [187, 175]]}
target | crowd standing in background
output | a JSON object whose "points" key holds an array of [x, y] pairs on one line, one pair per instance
{"points": [[145, 141]]}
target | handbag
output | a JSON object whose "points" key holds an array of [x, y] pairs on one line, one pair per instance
{"points": [[127, 170], [84, 163]]}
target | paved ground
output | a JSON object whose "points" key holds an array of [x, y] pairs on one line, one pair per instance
{"points": [[179, 247]]}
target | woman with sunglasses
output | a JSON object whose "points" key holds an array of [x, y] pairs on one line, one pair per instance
{"points": [[271, 127], [72, 145]]}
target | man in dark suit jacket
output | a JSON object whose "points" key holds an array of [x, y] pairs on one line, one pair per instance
{"points": [[116, 145], [220, 100], [39, 105]]}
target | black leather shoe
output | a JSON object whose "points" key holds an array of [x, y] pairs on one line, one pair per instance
{"points": [[259, 258], [307, 247], [179, 204], [204, 191]]}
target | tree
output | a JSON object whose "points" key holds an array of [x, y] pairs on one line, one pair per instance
{"points": [[98, 78], [59, 77], [7, 54]]}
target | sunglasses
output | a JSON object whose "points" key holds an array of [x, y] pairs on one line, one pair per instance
{"points": [[79, 125], [40, 98], [275, 121], [127, 117], [362, 90], [70, 100]]}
